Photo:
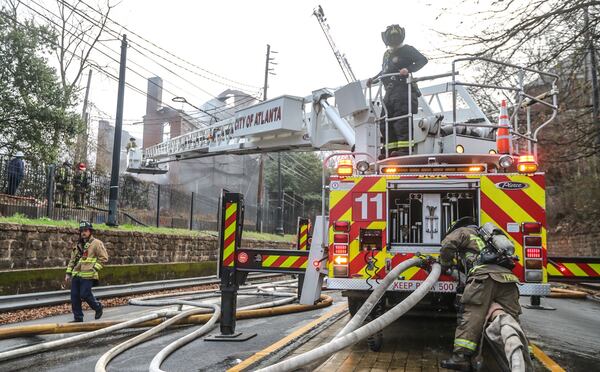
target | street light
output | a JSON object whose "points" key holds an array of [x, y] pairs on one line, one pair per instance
{"points": [[183, 100]]}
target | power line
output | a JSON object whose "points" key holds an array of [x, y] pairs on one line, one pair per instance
{"points": [[166, 51], [292, 171], [113, 33], [103, 53], [94, 22], [301, 165]]}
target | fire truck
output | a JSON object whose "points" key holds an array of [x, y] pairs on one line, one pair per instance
{"points": [[378, 211]]}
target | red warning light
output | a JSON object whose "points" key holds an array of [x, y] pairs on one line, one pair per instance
{"points": [[243, 257]]}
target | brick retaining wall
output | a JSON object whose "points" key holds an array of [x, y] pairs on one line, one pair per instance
{"points": [[31, 247]]}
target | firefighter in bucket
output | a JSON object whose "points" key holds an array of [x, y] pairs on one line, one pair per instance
{"points": [[401, 59]]}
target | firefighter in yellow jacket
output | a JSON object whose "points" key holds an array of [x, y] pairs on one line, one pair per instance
{"points": [[87, 259], [485, 254]]}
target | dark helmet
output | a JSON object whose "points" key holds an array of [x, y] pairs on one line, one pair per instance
{"points": [[461, 222], [132, 139], [85, 225], [66, 163], [393, 35]]}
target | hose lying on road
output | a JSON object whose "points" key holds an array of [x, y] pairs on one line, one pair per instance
{"points": [[193, 316], [261, 291], [59, 328], [102, 363], [361, 333], [112, 353], [566, 293], [29, 350]]}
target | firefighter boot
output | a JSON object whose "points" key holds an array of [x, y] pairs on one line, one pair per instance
{"points": [[99, 312], [457, 362]]}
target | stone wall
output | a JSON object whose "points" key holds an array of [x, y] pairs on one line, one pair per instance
{"points": [[33, 247], [563, 243]]}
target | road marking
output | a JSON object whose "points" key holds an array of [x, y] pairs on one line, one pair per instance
{"points": [[284, 341], [546, 360]]}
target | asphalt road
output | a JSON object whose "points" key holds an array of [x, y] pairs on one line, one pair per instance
{"points": [[199, 355], [570, 335]]}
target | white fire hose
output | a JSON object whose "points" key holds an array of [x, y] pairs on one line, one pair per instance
{"points": [[363, 332], [109, 355], [364, 311], [159, 358], [29, 350]]}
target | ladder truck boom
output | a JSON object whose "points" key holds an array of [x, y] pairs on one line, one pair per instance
{"points": [[341, 58]]}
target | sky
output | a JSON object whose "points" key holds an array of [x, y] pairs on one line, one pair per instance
{"points": [[225, 41]]}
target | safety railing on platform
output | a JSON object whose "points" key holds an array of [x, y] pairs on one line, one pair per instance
{"points": [[524, 101]]}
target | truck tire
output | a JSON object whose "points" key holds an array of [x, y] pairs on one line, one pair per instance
{"points": [[375, 342], [354, 304]]}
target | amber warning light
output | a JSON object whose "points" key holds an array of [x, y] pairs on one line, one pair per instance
{"points": [[344, 167], [527, 164]]}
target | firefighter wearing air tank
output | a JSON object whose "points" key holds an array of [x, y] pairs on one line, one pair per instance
{"points": [[485, 254], [87, 259], [400, 59]]}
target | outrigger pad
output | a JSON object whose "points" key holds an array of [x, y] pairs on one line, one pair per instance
{"points": [[236, 337]]}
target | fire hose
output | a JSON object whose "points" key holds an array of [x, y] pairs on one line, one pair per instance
{"points": [[102, 363], [97, 329], [353, 336]]}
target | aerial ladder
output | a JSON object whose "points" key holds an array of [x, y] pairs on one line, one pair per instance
{"points": [[383, 212], [341, 58]]}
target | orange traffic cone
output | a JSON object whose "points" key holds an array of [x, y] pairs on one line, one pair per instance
{"points": [[503, 136]]}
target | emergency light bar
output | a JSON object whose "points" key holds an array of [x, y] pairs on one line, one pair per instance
{"points": [[442, 168]]}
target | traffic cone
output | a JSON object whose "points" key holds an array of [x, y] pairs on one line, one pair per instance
{"points": [[503, 136]]}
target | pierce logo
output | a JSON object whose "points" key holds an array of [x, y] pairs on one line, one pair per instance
{"points": [[510, 185]]}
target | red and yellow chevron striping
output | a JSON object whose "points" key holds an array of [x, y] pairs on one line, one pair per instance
{"points": [[303, 237], [507, 207], [230, 234], [573, 268], [284, 262], [510, 207]]}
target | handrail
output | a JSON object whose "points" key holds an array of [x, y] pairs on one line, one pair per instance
{"points": [[409, 80], [553, 92]]}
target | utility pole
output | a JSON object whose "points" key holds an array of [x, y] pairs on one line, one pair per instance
{"points": [[116, 158], [259, 196], [82, 138], [279, 228], [595, 98]]}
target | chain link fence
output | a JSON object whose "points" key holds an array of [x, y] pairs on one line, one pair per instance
{"points": [[64, 192]]}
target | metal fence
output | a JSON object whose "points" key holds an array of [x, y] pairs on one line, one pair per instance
{"points": [[57, 193]]}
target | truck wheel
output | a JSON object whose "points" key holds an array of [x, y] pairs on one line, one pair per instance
{"points": [[375, 342], [354, 304]]}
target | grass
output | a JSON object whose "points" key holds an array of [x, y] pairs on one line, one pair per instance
{"points": [[22, 220]]}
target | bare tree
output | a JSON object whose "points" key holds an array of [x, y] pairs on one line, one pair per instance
{"points": [[79, 29], [560, 36], [79, 33], [556, 35]]}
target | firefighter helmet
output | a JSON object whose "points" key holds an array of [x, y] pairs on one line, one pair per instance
{"points": [[461, 222], [81, 166], [85, 225], [393, 35]]}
